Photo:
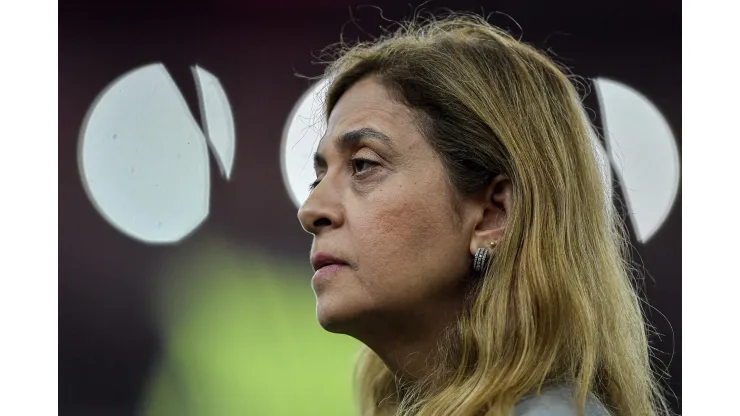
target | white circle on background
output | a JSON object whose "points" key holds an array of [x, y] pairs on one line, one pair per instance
{"points": [[305, 127], [144, 159], [643, 152]]}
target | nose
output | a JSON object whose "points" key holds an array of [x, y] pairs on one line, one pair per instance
{"points": [[321, 210]]}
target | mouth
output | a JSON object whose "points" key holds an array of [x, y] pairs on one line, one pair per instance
{"points": [[322, 260]]}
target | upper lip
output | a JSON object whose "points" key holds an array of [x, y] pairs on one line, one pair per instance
{"points": [[320, 260]]}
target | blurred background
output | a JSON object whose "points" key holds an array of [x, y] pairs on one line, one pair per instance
{"points": [[176, 302]]}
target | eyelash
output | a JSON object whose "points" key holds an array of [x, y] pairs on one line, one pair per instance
{"points": [[351, 164]]}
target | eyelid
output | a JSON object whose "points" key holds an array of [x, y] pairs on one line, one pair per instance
{"points": [[367, 153]]}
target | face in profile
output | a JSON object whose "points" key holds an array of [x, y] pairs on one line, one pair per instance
{"points": [[388, 244]]}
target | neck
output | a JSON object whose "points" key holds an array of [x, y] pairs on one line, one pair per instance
{"points": [[409, 348]]}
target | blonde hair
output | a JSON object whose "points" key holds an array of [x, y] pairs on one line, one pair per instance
{"points": [[556, 305]]}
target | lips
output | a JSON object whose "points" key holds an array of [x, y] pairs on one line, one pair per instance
{"points": [[320, 260]]}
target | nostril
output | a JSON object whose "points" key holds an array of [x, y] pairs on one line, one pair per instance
{"points": [[322, 222]]}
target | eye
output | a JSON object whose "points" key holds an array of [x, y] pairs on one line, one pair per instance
{"points": [[360, 165]]}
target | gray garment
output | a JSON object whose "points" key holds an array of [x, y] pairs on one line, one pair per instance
{"points": [[557, 401]]}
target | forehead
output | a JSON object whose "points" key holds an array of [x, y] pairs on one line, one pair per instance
{"points": [[369, 104]]}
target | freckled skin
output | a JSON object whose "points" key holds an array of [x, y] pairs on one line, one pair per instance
{"points": [[394, 223]]}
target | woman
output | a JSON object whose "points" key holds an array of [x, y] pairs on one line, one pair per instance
{"points": [[462, 233]]}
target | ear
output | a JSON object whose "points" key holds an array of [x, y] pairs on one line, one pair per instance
{"points": [[497, 203]]}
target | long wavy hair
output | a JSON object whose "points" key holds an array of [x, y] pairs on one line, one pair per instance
{"points": [[556, 305]]}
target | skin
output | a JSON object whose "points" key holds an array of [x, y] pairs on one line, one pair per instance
{"points": [[392, 219]]}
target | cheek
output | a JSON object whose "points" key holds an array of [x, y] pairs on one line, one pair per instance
{"points": [[406, 241]]}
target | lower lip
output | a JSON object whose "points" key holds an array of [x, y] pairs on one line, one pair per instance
{"points": [[328, 270]]}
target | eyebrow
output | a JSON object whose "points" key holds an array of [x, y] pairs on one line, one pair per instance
{"points": [[351, 139]]}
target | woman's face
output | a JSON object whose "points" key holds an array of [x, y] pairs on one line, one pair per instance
{"points": [[382, 205]]}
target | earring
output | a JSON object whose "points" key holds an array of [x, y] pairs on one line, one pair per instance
{"points": [[481, 255], [480, 259]]}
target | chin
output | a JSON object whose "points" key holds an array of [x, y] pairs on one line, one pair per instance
{"points": [[337, 316]]}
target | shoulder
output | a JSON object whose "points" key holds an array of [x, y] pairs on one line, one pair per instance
{"points": [[557, 401]]}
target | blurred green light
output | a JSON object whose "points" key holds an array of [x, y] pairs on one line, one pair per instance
{"points": [[241, 338]]}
